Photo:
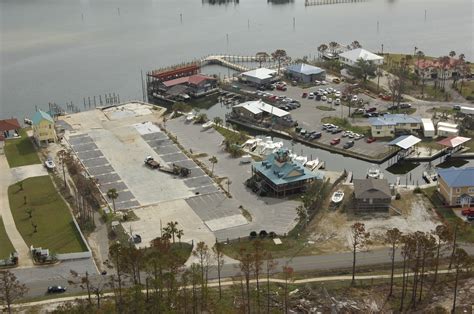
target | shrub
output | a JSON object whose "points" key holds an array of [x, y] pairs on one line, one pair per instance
{"points": [[417, 190], [263, 234], [253, 234], [398, 196]]}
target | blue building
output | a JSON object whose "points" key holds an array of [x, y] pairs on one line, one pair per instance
{"points": [[305, 73], [278, 175]]}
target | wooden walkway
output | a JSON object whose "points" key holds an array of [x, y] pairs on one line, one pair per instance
{"points": [[326, 2]]}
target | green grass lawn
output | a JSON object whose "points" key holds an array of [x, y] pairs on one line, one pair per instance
{"points": [[55, 227], [466, 231], [6, 246], [405, 111], [325, 108], [236, 137], [346, 125], [21, 152]]}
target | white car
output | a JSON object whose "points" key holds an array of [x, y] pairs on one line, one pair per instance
{"points": [[323, 82], [354, 98], [338, 94], [329, 100], [324, 98], [317, 83], [337, 101], [49, 164], [310, 95], [325, 93]]}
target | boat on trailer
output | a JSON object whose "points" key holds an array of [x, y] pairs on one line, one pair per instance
{"points": [[337, 197]]}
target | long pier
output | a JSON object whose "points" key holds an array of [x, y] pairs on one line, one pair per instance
{"points": [[229, 61], [326, 2]]}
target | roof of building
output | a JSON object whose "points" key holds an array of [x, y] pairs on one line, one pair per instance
{"points": [[41, 115], [260, 73], [304, 68], [177, 90], [405, 141], [280, 169], [436, 63], [394, 119], [457, 177], [360, 53], [447, 124], [195, 79], [448, 129], [427, 124], [9, 125], [454, 141], [371, 188], [258, 106]]}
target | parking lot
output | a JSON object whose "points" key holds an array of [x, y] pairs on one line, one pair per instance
{"points": [[270, 214], [310, 117]]}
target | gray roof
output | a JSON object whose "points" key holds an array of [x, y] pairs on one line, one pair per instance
{"points": [[371, 188], [304, 68]]}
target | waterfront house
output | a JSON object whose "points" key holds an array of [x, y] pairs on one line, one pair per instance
{"points": [[260, 76], [389, 125], [371, 195], [43, 128], [456, 186], [195, 85], [305, 73], [279, 175], [350, 57], [447, 129], [432, 69], [9, 128], [260, 112]]}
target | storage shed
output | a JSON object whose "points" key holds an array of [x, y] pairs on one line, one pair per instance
{"points": [[428, 128]]}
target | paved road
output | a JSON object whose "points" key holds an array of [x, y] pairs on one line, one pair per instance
{"points": [[38, 285]]}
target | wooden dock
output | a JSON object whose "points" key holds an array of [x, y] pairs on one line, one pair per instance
{"points": [[326, 2], [348, 178]]}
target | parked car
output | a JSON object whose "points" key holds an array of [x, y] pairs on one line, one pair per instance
{"points": [[358, 136], [324, 98], [457, 107], [56, 289], [329, 100], [337, 94], [324, 82], [405, 106], [337, 102], [348, 144], [393, 107], [281, 87], [326, 125], [371, 109], [370, 140], [310, 95], [336, 80], [335, 141], [354, 98], [467, 211], [368, 115], [317, 83], [336, 130], [317, 97], [315, 135], [345, 133], [304, 95]]}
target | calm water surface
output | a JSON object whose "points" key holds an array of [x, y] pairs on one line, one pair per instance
{"points": [[63, 50]]}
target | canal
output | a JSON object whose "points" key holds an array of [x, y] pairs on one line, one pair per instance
{"points": [[409, 172]]}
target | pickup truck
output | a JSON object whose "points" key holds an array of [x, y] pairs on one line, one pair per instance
{"points": [[150, 162]]}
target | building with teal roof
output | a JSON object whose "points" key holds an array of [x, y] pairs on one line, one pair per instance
{"points": [[279, 175], [43, 128]]}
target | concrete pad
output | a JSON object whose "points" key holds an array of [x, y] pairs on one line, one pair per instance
{"points": [[83, 147], [196, 172], [24, 172], [164, 150], [159, 142], [124, 196], [226, 222], [198, 181], [101, 161], [119, 186], [173, 157], [95, 171], [148, 227], [126, 205], [155, 136], [80, 140], [146, 128], [208, 189], [90, 154], [128, 110], [107, 178]]}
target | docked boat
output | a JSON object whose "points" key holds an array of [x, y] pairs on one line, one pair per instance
{"points": [[190, 117], [267, 146], [374, 173], [301, 159], [312, 164], [337, 197], [207, 125]]}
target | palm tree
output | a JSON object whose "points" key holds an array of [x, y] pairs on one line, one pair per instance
{"points": [[332, 46], [179, 235], [113, 195], [452, 53], [261, 57], [355, 44], [213, 161], [217, 121], [279, 55], [322, 48], [171, 229]]}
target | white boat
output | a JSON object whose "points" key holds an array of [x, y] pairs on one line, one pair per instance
{"points": [[373, 172], [267, 146], [337, 197], [190, 117], [312, 164], [207, 125], [301, 159], [49, 164]]}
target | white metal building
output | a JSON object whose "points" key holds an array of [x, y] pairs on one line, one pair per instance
{"points": [[447, 129], [428, 128], [259, 76], [350, 57]]}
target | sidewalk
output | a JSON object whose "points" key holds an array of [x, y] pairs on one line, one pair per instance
{"points": [[6, 179]]}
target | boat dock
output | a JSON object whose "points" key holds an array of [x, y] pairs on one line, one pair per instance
{"points": [[326, 2], [348, 178]]}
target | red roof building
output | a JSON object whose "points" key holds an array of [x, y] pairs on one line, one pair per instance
{"points": [[9, 125], [433, 68]]}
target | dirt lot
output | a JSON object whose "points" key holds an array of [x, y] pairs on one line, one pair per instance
{"points": [[331, 228]]}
